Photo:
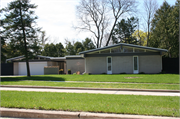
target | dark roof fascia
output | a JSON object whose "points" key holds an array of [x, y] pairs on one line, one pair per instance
{"points": [[122, 54], [75, 58], [47, 57], [14, 58], [33, 61], [124, 44]]}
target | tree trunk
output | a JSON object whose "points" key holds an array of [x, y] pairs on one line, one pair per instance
{"points": [[25, 46], [107, 43]]}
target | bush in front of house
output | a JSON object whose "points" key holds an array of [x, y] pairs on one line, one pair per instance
{"points": [[104, 73], [141, 73], [61, 71], [69, 71], [87, 74], [123, 73]]}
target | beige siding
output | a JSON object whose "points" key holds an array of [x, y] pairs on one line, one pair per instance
{"points": [[122, 64], [96, 65], [75, 65], [16, 68], [150, 64]]}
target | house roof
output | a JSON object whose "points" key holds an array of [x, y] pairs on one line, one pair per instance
{"points": [[124, 44], [47, 57], [16, 58]]}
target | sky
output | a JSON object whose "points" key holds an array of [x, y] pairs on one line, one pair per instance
{"points": [[57, 17]]}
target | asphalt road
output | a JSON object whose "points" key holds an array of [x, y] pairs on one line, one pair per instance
{"points": [[94, 91]]}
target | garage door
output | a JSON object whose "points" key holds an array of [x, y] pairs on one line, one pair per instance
{"points": [[36, 68]]}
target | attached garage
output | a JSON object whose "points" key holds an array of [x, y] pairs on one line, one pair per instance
{"points": [[36, 68]]}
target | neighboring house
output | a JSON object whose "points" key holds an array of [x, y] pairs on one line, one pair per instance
{"points": [[74, 62], [123, 58]]}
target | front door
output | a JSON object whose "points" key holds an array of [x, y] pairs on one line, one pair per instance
{"points": [[109, 65], [135, 65]]}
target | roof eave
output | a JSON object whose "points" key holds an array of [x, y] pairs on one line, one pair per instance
{"points": [[150, 48]]}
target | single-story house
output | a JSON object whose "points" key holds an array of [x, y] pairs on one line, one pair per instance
{"points": [[123, 58], [114, 59], [74, 63]]}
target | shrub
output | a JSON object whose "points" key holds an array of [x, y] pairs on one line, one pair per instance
{"points": [[162, 72], [141, 73], [87, 74], [69, 69], [123, 73], [61, 70]]}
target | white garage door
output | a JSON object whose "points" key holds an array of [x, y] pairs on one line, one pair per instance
{"points": [[36, 68]]}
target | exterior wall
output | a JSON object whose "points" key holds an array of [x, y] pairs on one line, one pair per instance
{"points": [[75, 65], [150, 64], [122, 64], [16, 68], [96, 65]]}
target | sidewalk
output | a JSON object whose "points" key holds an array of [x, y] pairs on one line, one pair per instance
{"points": [[30, 113], [89, 90], [83, 88]]}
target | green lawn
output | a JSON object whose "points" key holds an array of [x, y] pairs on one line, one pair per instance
{"points": [[121, 104], [137, 78], [94, 85]]}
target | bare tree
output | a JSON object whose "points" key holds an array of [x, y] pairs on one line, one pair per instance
{"points": [[119, 8], [150, 7], [43, 38], [93, 17]]}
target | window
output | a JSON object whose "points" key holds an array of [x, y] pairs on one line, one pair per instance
{"points": [[135, 63], [109, 63], [105, 51], [139, 50], [126, 49], [116, 50]]}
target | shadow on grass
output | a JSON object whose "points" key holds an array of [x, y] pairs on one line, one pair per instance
{"points": [[34, 78]]}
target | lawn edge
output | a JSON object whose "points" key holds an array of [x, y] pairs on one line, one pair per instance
{"points": [[32, 113]]}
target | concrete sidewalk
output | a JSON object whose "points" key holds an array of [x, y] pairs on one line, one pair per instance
{"points": [[31, 113], [91, 91], [84, 88]]}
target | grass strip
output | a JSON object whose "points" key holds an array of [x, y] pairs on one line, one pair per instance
{"points": [[121, 104], [137, 78], [93, 85]]}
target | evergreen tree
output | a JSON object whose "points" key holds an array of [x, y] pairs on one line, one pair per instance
{"points": [[19, 28], [53, 50], [88, 44], [70, 49], [60, 50], [78, 47], [3, 50], [123, 32], [165, 30]]}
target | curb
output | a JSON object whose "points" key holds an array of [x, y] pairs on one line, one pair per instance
{"points": [[31, 113], [78, 88]]}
